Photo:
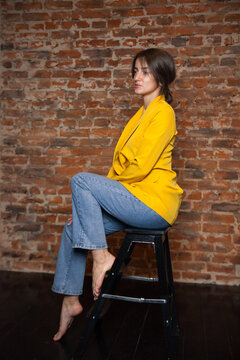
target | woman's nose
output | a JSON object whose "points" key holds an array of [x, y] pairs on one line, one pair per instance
{"points": [[137, 76]]}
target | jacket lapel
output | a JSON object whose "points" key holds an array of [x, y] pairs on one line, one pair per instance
{"points": [[135, 122], [131, 126]]}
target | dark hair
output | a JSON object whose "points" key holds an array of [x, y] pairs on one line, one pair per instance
{"points": [[161, 66]]}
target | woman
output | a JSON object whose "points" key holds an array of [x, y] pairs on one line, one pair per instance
{"points": [[140, 189]]}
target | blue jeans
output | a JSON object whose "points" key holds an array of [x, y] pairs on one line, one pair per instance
{"points": [[100, 206]]}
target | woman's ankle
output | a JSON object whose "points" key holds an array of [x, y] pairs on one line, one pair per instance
{"points": [[71, 300], [101, 255]]}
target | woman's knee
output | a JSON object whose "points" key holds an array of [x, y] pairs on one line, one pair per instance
{"points": [[78, 179]]}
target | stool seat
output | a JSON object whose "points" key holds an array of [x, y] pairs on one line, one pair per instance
{"points": [[132, 230], [159, 239]]}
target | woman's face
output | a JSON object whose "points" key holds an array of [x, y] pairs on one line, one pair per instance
{"points": [[144, 81]]}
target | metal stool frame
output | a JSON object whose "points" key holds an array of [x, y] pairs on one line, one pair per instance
{"points": [[159, 239]]}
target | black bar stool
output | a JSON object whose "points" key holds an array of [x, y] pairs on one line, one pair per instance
{"points": [[159, 239]]}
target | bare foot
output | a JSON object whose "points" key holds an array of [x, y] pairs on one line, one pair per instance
{"points": [[70, 308], [102, 262]]}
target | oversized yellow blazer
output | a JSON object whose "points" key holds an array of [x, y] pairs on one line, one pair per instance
{"points": [[143, 158]]}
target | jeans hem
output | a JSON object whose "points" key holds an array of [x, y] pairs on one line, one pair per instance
{"points": [[66, 292], [89, 247]]}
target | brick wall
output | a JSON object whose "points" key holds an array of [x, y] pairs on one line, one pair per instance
{"points": [[67, 94]]}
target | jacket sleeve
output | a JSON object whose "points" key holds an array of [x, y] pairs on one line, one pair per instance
{"points": [[156, 138]]}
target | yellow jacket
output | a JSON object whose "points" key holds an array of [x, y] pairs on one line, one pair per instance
{"points": [[143, 158]]}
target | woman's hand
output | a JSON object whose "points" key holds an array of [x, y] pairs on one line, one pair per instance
{"points": [[70, 221]]}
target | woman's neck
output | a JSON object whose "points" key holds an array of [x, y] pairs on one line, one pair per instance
{"points": [[147, 99]]}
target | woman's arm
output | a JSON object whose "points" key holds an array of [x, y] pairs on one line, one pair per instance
{"points": [[157, 136]]}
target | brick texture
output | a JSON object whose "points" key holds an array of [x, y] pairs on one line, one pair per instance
{"points": [[66, 96]]}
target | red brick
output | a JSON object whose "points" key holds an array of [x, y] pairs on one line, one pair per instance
{"points": [[12, 17], [180, 19], [14, 160], [65, 34], [51, 5], [35, 16], [222, 218], [231, 175], [229, 164], [94, 13], [190, 29], [194, 195], [217, 228], [89, 4], [199, 83], [160, 10], [75, 133], [199, 51], [67, 74], [202, 257], [223, 154], [201, 164], [96, 74], [14, 74], [191, 9], [117, 3], [114, 23], [69, 54], [196, 40], [221, 268], [99, 24], [224, 29], [226, 207], [73, 161], [233, 82], [42, 74], [127, 32]]}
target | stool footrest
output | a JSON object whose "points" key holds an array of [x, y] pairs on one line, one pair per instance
{"points": [[134, 299], [142, 278]]}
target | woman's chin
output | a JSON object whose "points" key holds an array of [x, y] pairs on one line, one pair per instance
{"points": [[138, 91]]}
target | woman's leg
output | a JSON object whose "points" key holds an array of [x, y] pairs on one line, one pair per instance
{"points": [[100, 206], [70, 270]]}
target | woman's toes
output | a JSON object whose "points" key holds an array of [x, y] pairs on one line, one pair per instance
{"points": [[57, 336]]}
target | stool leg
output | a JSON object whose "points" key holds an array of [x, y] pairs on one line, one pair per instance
{"points": [[123, 255], [91, 323], [108, 286], [166, 290], [175, 324], [168, 261], [161, 265]]}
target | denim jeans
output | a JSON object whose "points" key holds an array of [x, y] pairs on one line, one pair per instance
{"points": [[100, 206]]}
